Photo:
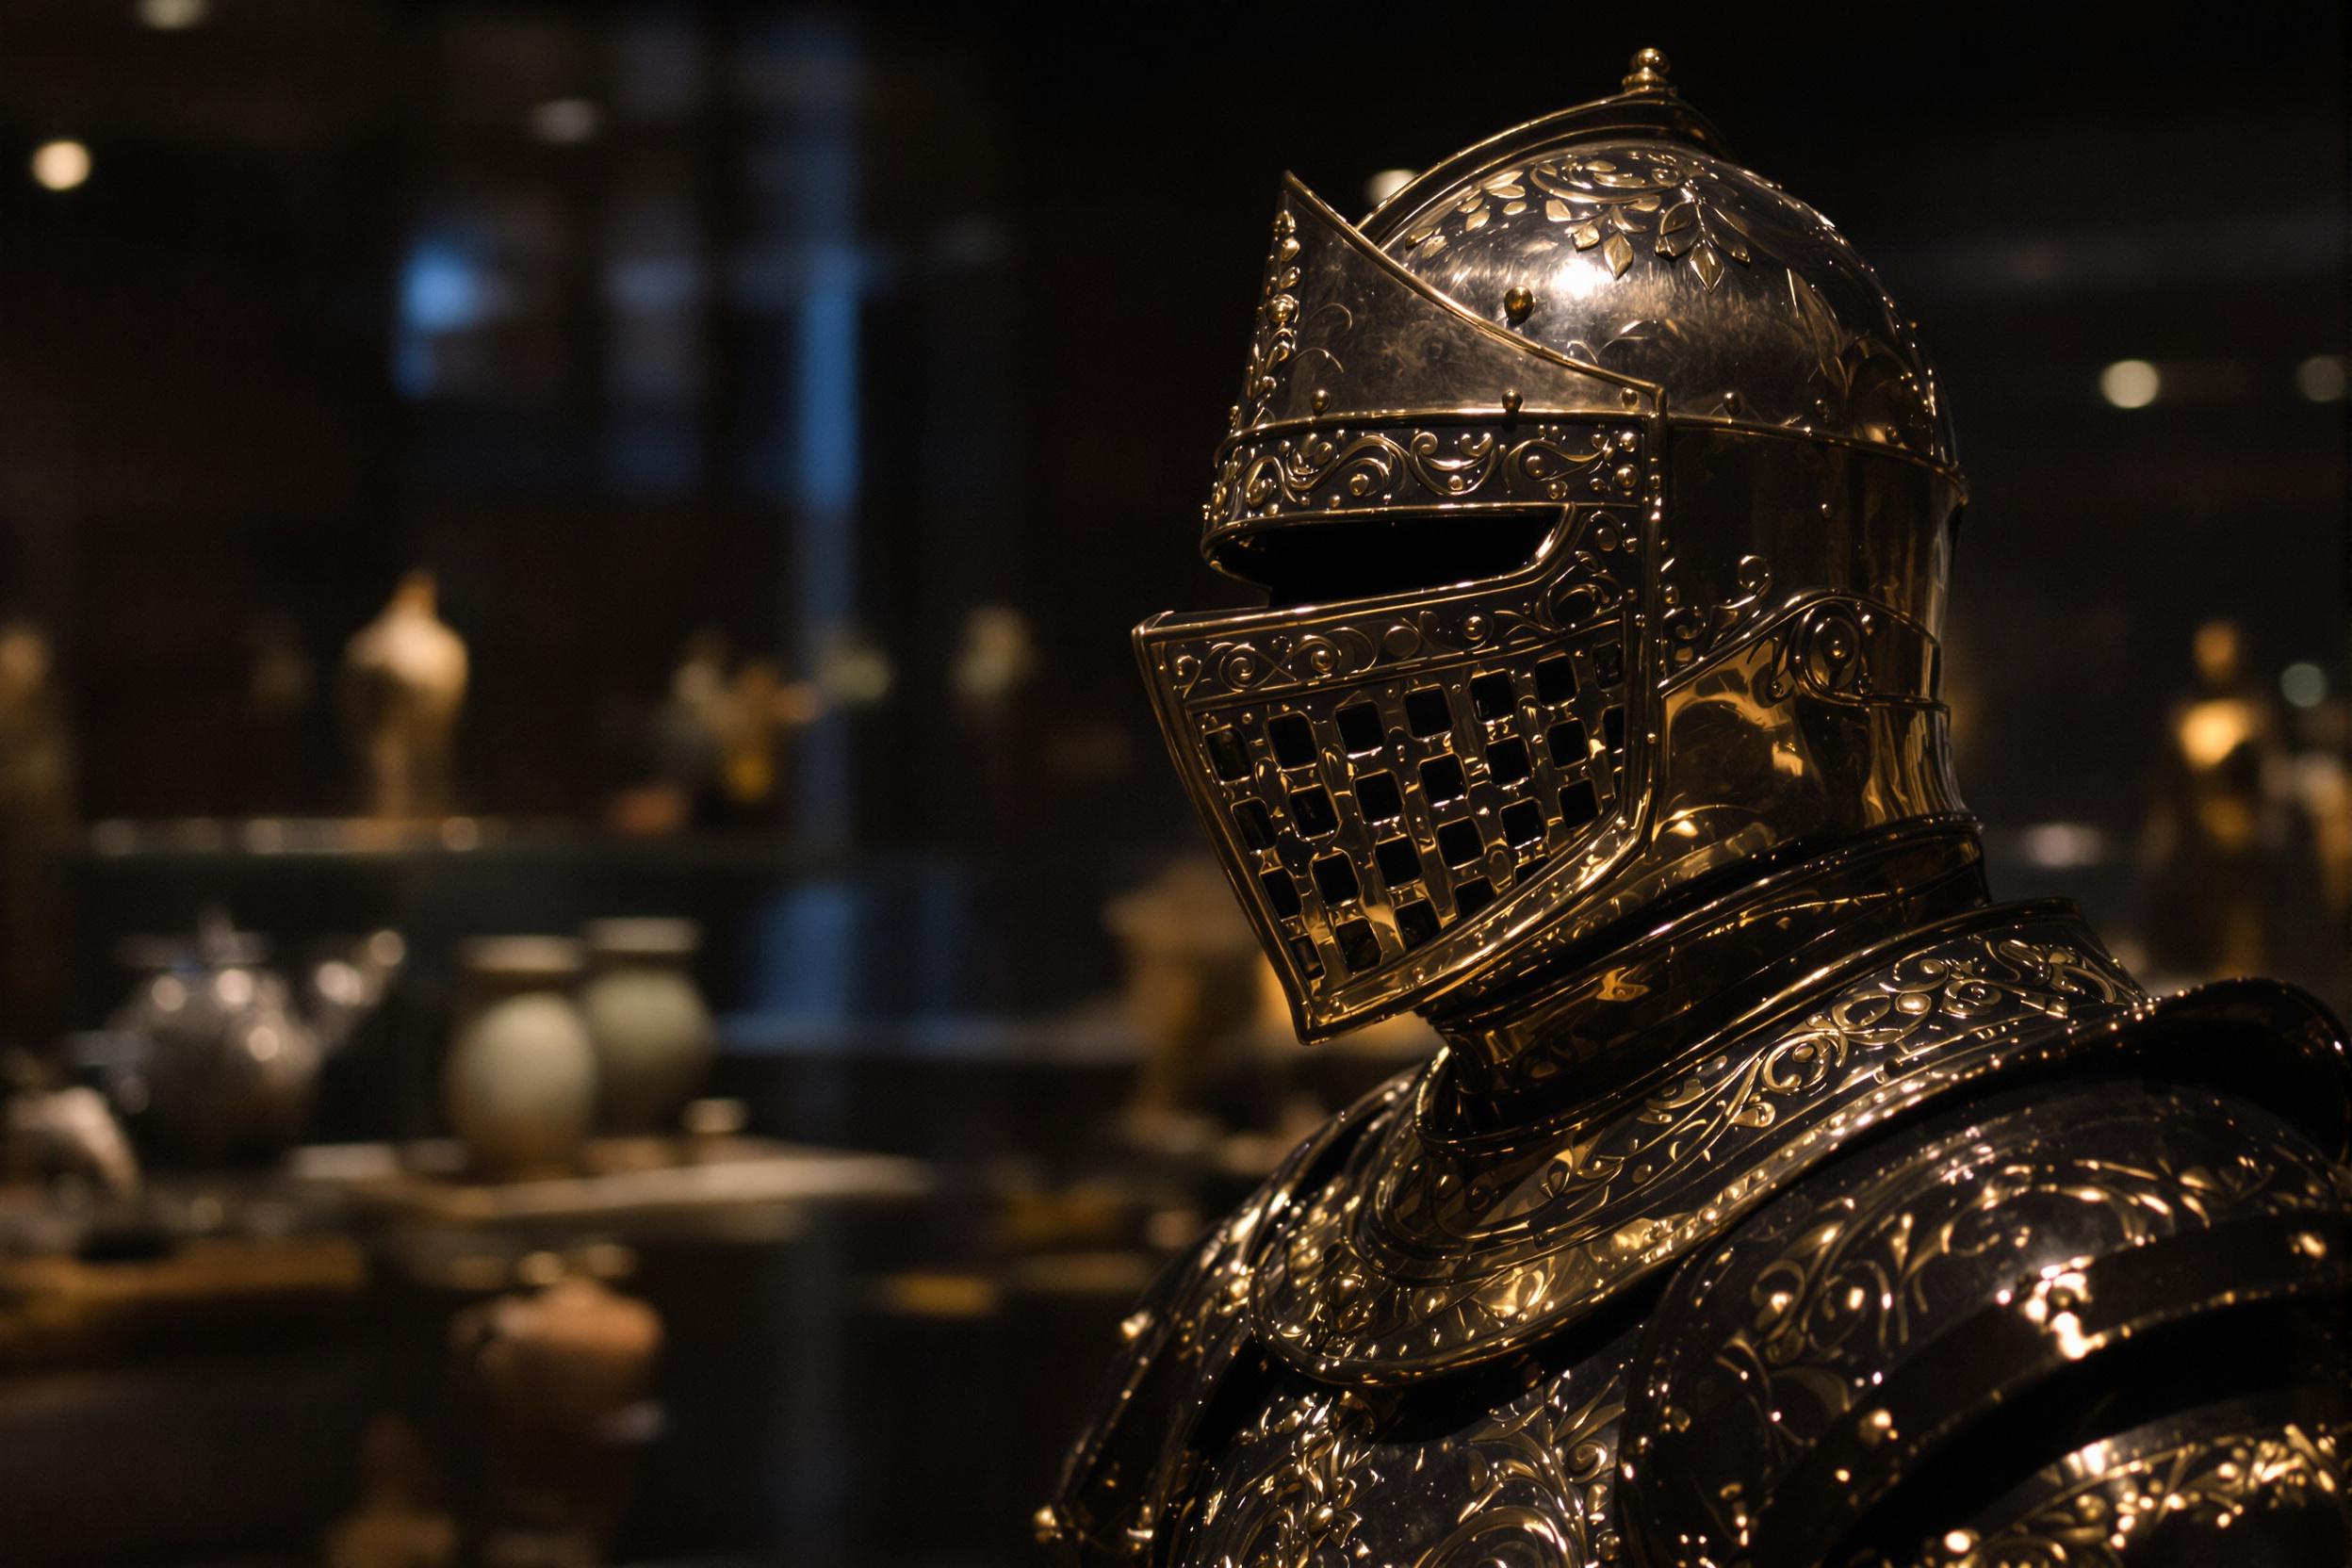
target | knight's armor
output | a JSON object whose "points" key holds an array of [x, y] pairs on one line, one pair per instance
{"points": [[1776, 1197]]}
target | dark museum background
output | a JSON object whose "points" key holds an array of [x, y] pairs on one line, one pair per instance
{"points": [[794, 409]]}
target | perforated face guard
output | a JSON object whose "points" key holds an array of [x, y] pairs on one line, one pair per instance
{"points": [[1398, 784]]}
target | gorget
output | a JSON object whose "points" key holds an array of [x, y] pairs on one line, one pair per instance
{"points": [[1429, 1249]]}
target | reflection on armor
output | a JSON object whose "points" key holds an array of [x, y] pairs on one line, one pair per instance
{"points": [[1778, 1197]]}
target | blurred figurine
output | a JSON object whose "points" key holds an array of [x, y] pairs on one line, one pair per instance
{"points": [[754, 723], [403, 684], [400, 1521], [994, 671], [37, 822], [1192, 979], [564, 1376], [67, 1132], [1776, 1197], [2214, 818]]}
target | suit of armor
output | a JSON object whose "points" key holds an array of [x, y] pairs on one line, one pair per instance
{"points": [[1778, 1197]]}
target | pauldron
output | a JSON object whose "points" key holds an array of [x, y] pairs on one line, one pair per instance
{"points": [[1969, 1247]]}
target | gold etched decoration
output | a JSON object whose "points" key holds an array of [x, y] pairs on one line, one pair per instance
{"points": [[1324, 1477], [1423, 1255], [1666, 262], [1176, 1349], [1340, 468], [1380, 777], [1788, 1382], [1276, 337], [2237, 1489], [1365, 392]]}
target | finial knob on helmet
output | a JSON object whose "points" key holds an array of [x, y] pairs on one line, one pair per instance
{"points": [[1648, 73]]}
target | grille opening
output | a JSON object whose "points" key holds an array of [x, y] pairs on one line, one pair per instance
{"points": [[1416, 923], [1614, 728], [1400, 862], [1282, 892], [1460, 843], [1257, 828], [1565, 740], [1336, 879], [1360, 726], [1427, 712], [1227, 755], [1359, 945], [1608, 662], [1473, 896], [1293, 739], [1312, 810], [1310, 962], [1361, 558], [1523, 823], [1492, 696], [1377, 792], [1579, 805], [1509, 761], [1442, 778], [1555, 680]]}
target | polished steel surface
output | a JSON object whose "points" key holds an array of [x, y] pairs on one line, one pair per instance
{"points": [[1739, 488], [1791, 1380], [1778, 1197]]}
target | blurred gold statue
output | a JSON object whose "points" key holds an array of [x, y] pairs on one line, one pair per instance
{"points": [[2212, 816], [37, 821], [403, 685]]}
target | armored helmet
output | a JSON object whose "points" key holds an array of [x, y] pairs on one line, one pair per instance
{"points": [[1604, 502]]}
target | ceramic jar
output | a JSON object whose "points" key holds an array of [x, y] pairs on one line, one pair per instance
{"points": [[651, 1030], [520, 1082]]}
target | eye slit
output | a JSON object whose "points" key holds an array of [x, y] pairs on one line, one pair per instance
{"points": [[1578, 806], [1336, 879], [1281, 892], [1427, 712], [1359, 945], [1377, 792], [1293, 739], [1555, 680], [1460, 843], [1416, 923], [1310, 962], [1257, 828], [1565, 740], [1400, 862], [1492, 696], [1227, 755], [1359, 728], [1442, 777]]}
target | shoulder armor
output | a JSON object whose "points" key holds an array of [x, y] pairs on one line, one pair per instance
{"points": [[1176, 1346], [1992, 1294], [2267, 1479]]}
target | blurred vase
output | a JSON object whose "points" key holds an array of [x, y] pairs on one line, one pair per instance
{"points": [[221, 1068], [565, 1377], [520, 1083], [651, 1030], [405, 678]]}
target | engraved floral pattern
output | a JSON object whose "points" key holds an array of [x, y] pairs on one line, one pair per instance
{"points": [[1620, 201], [2208, 1483], [1412, 1259]]}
